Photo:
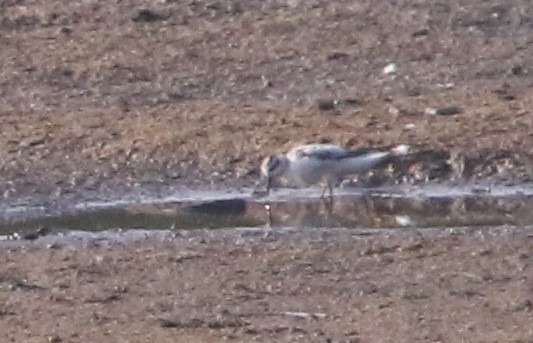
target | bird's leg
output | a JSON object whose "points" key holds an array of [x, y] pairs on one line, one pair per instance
{"points": [[328, 200], [327, 187], [323, 192]]}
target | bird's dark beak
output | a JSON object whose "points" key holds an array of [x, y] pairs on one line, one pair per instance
{"points": [[268, 184]]}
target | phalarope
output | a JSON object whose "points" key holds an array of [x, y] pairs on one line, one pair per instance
{"points": [[323, 164]]}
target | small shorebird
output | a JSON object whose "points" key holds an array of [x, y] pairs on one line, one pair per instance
{"points": [[325, 164]]}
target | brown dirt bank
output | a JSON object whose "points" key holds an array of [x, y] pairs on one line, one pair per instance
{"points": [[106, 97]]}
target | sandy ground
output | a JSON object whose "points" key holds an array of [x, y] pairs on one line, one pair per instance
{"points": [[303, 286], [117, 97]]}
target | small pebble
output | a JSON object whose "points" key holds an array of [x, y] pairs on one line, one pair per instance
{"points": [[394, 111], [54, 246], [266, 82], [391, 68], [443, 111], [518, 71], [351, 102], [421, 32], [409, 126], [54, 339], [326, 105]]}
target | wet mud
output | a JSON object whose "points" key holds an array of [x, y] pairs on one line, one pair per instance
{"points": [[429, 207]]}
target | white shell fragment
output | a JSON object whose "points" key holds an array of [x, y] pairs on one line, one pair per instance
{"points": [[404, 221], [410, 126], [391, 68], [305, 314]]}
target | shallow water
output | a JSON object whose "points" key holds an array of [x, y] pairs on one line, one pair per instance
{"points": [[423, 207]]}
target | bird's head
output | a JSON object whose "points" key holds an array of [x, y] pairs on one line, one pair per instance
{"points": [[272, 167]]}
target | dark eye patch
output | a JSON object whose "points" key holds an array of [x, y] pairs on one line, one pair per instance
{"points": [[273, 163]]}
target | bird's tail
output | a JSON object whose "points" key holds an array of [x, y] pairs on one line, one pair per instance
{"points": [[400, 150], [369, 160]]}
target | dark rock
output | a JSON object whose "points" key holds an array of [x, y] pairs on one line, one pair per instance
{"points": [[351, 102], [443, 111], [31, 236], [518, 71], [148, 16], [326, 105], [6, 313], [336, 55], [421, 32]]}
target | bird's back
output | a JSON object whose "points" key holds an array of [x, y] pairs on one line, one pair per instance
{"points": [[321, 152], [315, 163]]}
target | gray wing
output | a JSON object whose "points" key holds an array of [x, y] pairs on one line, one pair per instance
{"points": [[326, 152]]}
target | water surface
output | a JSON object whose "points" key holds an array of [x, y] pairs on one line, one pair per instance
{"points": [[426, 207]]}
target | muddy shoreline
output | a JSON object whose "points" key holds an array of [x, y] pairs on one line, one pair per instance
{"points": [[430, 205], [103, 101], [303, 285]]}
